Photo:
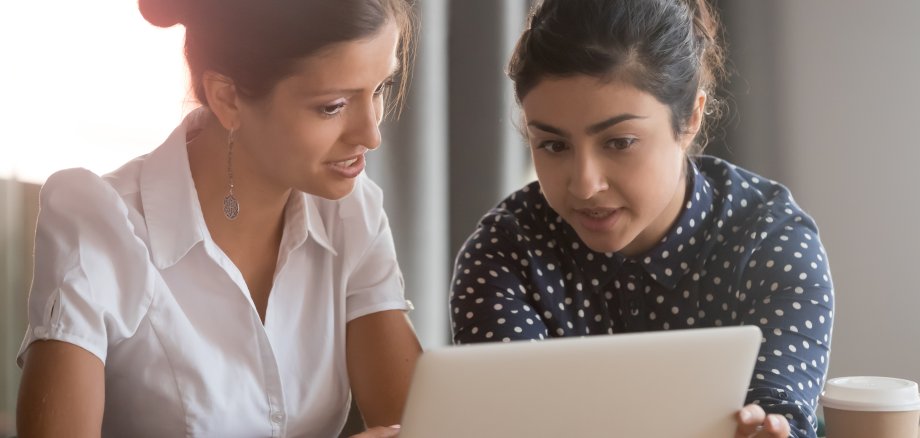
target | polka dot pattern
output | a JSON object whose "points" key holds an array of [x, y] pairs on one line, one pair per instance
{"points": [[741, 253]]}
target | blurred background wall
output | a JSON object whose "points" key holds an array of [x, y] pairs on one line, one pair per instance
{"points": [[837, 81], [824, 99]]}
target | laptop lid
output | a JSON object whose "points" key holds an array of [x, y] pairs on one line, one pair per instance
{"points": [[687, 383]]}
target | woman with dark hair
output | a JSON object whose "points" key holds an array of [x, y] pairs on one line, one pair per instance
{"points": [[241, 279], [629, 228]]}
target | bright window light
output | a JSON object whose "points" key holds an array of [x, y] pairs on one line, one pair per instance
{"points": [[85, 84]]}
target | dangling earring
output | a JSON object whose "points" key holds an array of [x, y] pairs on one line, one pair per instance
{"points": [[231, 206]]}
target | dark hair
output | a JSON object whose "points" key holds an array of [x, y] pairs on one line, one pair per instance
{"points": [[667, 48], [257, 43]]}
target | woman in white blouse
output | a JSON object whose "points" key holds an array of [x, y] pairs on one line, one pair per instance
{"points": [[240, 280]]}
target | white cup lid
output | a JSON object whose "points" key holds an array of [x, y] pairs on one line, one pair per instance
{"points": [[870, 393]]}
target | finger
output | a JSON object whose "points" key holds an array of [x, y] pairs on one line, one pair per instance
{"points": [[777, 426], [750, 419]]}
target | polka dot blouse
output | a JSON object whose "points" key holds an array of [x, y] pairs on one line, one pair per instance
{"points": [[741, 253]]}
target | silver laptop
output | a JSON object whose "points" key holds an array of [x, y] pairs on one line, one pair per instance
{"points": [[687, 383]]}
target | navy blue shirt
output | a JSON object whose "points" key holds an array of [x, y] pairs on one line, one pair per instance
{"points": [[741, 253]]}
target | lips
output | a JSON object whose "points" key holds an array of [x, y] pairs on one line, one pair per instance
{"points": [[598, 219], [596, 213], [348, 168], [345, 163]]}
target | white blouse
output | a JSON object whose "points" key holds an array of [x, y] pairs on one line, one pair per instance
{"points": [[126, 269]]}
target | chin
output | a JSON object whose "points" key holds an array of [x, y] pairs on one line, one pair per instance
{"points": [[600, 243], [332, 192]]}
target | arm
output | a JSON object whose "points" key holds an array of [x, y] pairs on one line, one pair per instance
{"points": [[382, 350], [86, 256], [380, 344], [787, 292], [62, 392]]}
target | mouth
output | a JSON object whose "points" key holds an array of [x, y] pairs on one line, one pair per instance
{"points": [[598, 219], [344, 164], [596, 213], [349, 167]]}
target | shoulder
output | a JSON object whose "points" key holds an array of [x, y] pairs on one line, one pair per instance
{"points": [[85, 233], [776, 240], [736, 186], [80, 194], [513, 227], [749, 206], [79, 209], [523, 214]]}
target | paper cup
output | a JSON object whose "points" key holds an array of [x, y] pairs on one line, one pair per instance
{"points": [[871, 406]]}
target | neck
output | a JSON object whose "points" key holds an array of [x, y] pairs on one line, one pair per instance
{"points": [[261, 203]]}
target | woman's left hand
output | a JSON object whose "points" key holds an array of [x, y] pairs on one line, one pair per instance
{"points": [[753, 422], [379, 432]]}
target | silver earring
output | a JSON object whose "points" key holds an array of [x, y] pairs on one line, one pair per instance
{"points": [[231, 206]]}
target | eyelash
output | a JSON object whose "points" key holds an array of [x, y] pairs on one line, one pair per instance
{"points": [[630, 142], [382, 88], [334, 110], [330, 111], [547, 146]]}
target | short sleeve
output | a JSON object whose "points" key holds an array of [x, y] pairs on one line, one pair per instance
{"points": [[93, 279], [789, 294], [376, 282]]}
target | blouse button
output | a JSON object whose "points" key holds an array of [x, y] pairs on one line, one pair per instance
{"points": [[277, 417], [633, 307]]}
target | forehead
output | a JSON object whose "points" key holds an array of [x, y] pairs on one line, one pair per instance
{"points": [[587, 97], [349, 65]]}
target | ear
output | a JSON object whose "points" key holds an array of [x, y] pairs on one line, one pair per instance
{"points": [[223, 99], [696, 120]]}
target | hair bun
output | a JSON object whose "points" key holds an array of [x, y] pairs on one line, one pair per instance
{"points": [[163, 13]]}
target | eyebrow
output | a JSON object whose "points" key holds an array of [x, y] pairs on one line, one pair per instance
{"points": [[590, 130], [393, 73]]}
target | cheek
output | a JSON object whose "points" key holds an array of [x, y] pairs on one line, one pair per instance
{"points": [[551, 175], [663, 176], [649, 183]]}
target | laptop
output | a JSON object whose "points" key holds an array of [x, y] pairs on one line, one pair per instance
{"points": [[687, 383]]}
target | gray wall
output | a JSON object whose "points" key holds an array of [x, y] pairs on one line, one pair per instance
{"points": [[828, 103], [850, 99], [18, 212], [454, 153]]}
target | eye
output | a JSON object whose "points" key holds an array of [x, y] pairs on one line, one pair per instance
{"points": [[333, 109], [622, 144], [552, 146], [382, 88]]}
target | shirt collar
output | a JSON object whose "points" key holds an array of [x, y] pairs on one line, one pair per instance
{"points": [[302, 220], [674, 256], [172, 211]]}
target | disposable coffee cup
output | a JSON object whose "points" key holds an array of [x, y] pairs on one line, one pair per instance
{"points": [[871, 407]]}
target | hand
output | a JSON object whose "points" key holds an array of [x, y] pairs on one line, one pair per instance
{"points": [[753, 422], [379, 432]]}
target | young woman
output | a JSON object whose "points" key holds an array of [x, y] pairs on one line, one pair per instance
{"points": [[629, 228], [239, 280]]}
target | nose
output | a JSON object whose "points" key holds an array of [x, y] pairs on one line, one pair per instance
{"points": [[364, 126], [587, 176]]}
